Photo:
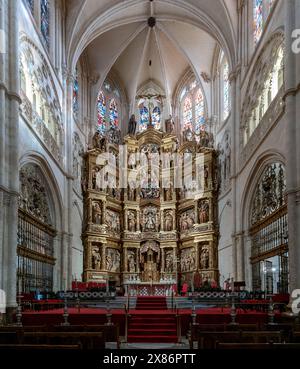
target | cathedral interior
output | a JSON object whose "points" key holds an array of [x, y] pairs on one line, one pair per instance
{"points": [[149, 143]]}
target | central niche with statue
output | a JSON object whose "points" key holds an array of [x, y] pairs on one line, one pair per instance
{"points": [[158, 227], [150, 258]]}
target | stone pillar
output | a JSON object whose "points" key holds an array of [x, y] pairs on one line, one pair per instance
{"points": [[292, 117], [240, 256], [125, 259], [138, 220], [9, 148], [137, 260], [162, 268], [126, 219], [103, 258]]}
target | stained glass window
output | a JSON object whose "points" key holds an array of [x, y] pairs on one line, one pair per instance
{"points": [[75, 93], [113, 113], [156, 117], [45, 21], [187, 113], [144, 117], [257, 19], [101, 111], [30, 4], [199, 111], [226, 106]]}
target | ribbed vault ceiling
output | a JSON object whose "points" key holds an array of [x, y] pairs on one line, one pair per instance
{"points": [[116, 36]]}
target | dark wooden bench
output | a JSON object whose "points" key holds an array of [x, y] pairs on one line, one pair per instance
{"points": [[261, 337], [208, 340], [242, 327], [195, 328], [242, 346], [25, 347], [110, 332], [86, 340]]}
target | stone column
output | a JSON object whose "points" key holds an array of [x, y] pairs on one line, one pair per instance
{"points": [[240, 256], [103, 259], [137, 260], [125, 259], [162, 268], [126, 219], [9, 148], [138, 220], [292, 117]]}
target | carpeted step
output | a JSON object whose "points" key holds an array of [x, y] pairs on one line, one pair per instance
{"points": [[161, 319], [152, 332], [136, 325], [149, 325], [152, 339]]}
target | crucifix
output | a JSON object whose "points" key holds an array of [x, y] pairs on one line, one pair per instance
{"points": [[150, 107]]}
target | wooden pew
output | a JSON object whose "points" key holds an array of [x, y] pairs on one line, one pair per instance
{"points": [[86, 340], [243, 346], [110, 332], [261, 337], [208, 340], [195, 328], [242, 327], [26, 347]]}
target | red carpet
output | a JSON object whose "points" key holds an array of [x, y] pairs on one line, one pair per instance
{"points": [[152, 322]]}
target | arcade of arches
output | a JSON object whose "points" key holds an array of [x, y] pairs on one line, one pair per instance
{"points": [[146, 142]]}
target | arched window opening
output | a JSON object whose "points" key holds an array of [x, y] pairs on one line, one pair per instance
{"points": [[193, 111], [261, 10], [257, 20], [76, 94], [45, 21], [144, 116], [187, 113], [269, 232], [226, 105], [113, 113], [101, 112], [156, 117], [199, 111]]}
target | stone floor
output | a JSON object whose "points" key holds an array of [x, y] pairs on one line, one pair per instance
{"points": [[184, 345]]}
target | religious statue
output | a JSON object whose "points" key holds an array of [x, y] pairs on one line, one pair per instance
{"points": [[169, 193], [131, 221], [188, 135], [131, 262], [114, 135], [96, 213], [96, 179], [169, 262], [132, 125], [204, 139], [204, 259], [96, 258], [187, 220], [98, 141], [131, 193], [206, 175], [109, 262], [168, 221], [203, 211], [149, 219], [169, 123]]}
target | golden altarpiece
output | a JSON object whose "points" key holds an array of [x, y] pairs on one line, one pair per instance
{"points": [[150, 209]]}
